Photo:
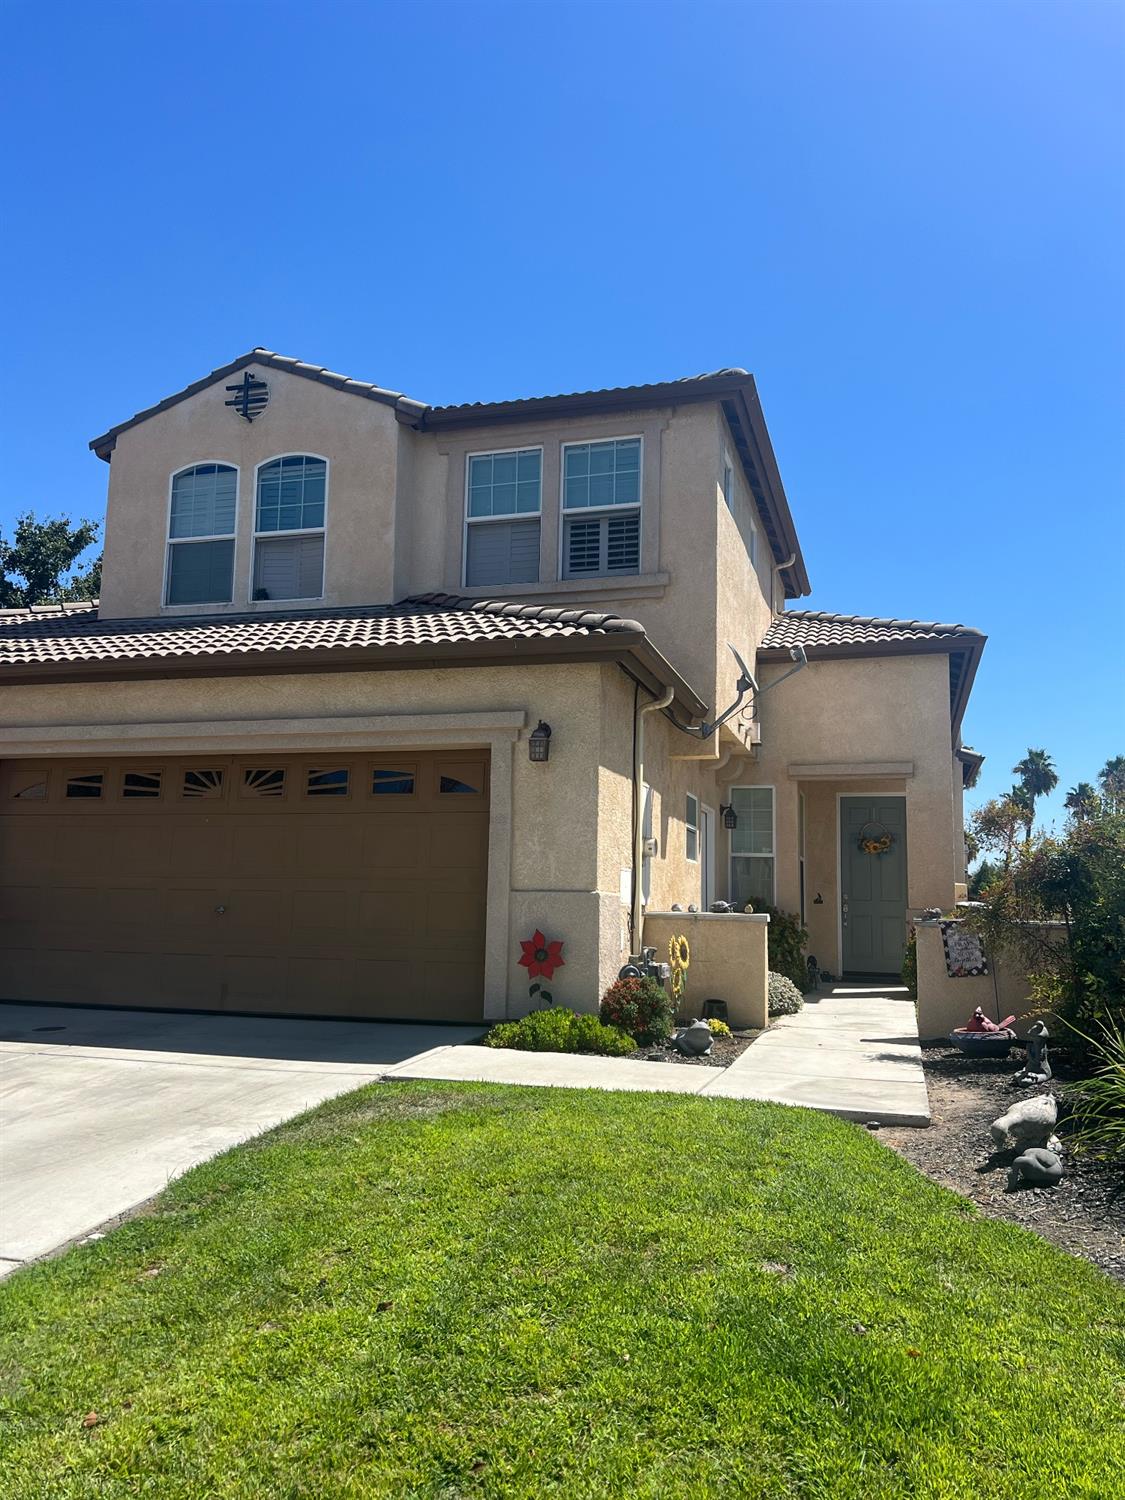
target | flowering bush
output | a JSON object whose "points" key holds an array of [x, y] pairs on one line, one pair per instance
{"points": [[718, 1028], [642, 1007], [561, 1031], [785, 998]]}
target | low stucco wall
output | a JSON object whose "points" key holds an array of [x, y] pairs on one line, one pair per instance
{"points": [[728, 961], [944, 1002]]}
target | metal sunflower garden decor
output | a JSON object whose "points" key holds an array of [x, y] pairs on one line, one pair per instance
{"points": [[679, 959], [541, 958], [875, 838]]}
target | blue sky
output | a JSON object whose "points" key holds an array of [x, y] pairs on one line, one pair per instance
{"points": [[907, 219]]}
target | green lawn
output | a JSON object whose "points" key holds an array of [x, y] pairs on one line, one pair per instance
{"points": [[454, 1290]]}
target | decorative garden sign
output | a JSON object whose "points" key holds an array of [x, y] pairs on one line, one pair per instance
{"points": [[964, 956]]}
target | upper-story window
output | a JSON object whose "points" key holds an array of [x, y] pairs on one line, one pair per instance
{"points": [[728, 482], [502, 510], [201, 535], [289, 528], [602, 508]]}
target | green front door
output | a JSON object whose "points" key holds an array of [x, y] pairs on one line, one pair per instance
{"points": [[873, 886]]}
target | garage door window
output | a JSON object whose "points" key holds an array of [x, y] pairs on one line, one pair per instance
{"points": [[267, 782], [141, 784], [87, 785], [31, 791], [203, 783], [332, 783], [388, 781]]}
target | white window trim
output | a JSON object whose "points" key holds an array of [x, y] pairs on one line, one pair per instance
{"points": [[300, 531], [689, 827], [758, 786], [726, 483], [225, 536], [525, 515], [602, 510]]}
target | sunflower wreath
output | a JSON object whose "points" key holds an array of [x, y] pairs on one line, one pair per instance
{"points": [[679, 958]]}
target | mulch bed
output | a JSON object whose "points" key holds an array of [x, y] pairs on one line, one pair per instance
{"points": [[724, 1050], [1085, 1214]]}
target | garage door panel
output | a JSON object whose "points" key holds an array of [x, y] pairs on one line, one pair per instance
{"points": [[253, 981], [138, 846], [261, 846], [328, 845], [391, 916], [397, 841], [455, 919], [200, 846], [370, 904], [319, 911], [463, 840]]}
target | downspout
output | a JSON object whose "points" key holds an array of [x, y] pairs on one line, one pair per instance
{"points": [[637, 914]]}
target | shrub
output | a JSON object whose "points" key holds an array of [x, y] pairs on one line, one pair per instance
{"points": [[642, 1007], [785, 998], [1099, 1102], [786, 942], [719, 1028], [560, 1030]]}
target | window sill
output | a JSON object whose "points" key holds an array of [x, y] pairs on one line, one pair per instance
{"points": [[620, 585]]}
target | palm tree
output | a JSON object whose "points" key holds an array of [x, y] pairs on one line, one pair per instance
{"points": [[1081, 800], [1037, 777], [1112, 778]]}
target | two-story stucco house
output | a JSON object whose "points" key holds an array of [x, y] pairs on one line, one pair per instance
{"points": [[289, 763]]}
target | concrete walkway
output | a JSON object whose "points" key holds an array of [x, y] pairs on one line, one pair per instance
{"points": [[100, 1109], [852, 1052]]}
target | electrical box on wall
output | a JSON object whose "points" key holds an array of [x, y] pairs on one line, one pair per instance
{"points": [[650, 848]]}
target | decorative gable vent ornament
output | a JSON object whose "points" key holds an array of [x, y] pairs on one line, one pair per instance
{"points": [[249, 396]]}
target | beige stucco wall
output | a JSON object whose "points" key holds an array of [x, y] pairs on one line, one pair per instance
{"points": [[729, 962], [944, 1002], [856, 716], [358, 437]]}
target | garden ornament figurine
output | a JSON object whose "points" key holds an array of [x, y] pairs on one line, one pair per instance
{"points": [[1037, 1069], [1028, 1123], [694, 1040], [1037, 1166]]}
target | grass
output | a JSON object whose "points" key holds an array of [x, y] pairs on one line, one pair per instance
{"points": [[456, 1290]]}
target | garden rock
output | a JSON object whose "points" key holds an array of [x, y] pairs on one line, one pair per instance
{"points": [[1037, 1167], [694, 1040], [1028, 1123]]}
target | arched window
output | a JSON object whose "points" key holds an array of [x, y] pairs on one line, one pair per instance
{"points": [[289, 528], [201, 535]]}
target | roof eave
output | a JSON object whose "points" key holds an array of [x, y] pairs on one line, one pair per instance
{"points": [[535, 408], [645, 662], [750, 405]]}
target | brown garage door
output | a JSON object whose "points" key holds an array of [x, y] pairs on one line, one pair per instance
{"points": [[350, 886]]}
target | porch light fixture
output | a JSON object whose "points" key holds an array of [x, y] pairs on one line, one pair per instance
{"points": [[730, 817], [539, 743]]}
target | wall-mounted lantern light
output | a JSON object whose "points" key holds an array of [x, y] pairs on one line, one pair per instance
{"points": [[730, 817], [539, 743]]}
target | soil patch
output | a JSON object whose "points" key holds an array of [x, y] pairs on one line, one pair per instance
{"points": [[1085, 1214]]}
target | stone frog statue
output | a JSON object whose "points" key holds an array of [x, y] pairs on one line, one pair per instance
{"points": [[1030, 1122]]}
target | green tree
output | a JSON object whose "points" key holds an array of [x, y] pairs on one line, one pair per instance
{"points": [[986, 874], [1081, 800], [1111, 778], [996, 823], [37, 565], [1037, 778]]}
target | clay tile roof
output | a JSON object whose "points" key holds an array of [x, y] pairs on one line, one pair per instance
{"points": [[75, 634], [816, 630]]}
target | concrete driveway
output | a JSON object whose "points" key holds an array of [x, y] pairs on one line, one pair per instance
{"points": [[99, 1109]]}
